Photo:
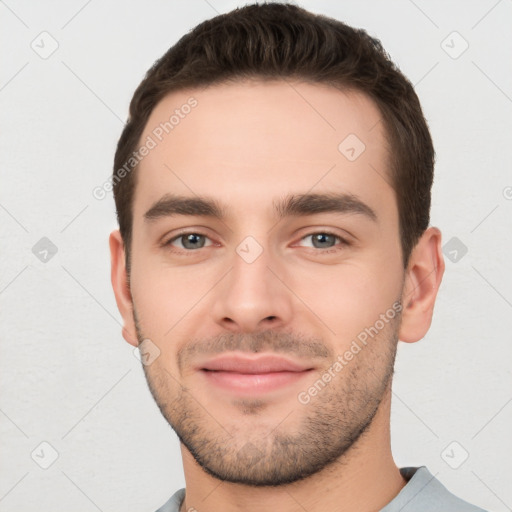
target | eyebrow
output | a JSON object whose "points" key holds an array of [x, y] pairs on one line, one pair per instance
{"points": [[294, 205]]}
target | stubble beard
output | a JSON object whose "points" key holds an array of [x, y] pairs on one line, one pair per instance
{"points": [[329, 426]]}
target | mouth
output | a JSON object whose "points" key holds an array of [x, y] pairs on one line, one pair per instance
{"points": [[253, 376]]}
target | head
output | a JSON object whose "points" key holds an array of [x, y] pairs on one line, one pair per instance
{"points": [[275, 199]]}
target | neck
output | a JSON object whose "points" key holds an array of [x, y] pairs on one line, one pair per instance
{"points": [[364, 478]]}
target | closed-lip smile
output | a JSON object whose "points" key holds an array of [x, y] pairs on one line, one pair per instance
{"points": [[265, 363], [243, 374]]}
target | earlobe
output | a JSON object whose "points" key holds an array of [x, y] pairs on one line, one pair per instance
{"points": [[423, 278], [121, 287]]}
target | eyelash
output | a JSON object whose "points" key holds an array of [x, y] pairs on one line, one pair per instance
{"points": [[343, 242]]}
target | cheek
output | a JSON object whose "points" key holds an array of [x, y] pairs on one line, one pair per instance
{"points": [[349, 298], [167, 298]]}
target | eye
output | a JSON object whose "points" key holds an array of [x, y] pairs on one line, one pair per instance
{"points": [[192, 241], [189, 241], [324, 240]]}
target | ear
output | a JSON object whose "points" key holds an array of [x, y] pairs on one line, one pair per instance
{"points": [[121, 287], [422, 280]]}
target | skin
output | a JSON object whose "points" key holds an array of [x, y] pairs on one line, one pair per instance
{"points": [[247, 144]]}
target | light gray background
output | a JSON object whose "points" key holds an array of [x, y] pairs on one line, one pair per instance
{"points": [[67, 376]]}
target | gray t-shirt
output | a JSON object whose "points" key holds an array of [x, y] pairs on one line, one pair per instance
{"points": [[422, 493]]}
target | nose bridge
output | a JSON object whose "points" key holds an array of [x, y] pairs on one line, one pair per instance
{"points": [[250, 267], [251, 295]]}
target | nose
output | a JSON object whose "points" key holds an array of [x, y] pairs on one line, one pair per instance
{"points": [[252, 296]]}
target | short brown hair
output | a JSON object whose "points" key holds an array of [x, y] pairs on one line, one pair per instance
{"points": [[276, 41]]}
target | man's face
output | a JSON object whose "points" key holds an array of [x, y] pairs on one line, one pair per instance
{"points": [[289, 282]]}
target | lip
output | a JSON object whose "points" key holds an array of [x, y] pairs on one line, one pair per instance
{"points": [[265, 363], [244, 375]]}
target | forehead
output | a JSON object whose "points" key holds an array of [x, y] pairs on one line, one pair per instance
{"points": [[248, 142]]}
